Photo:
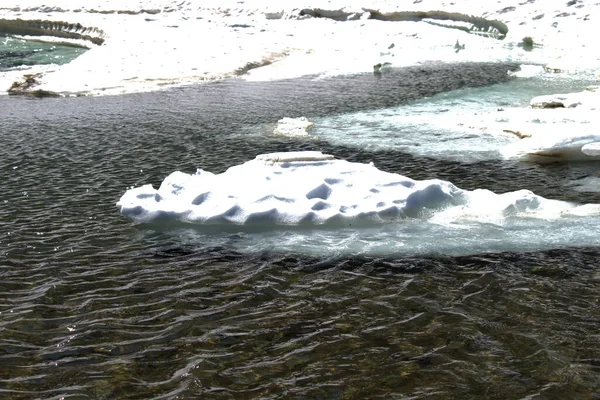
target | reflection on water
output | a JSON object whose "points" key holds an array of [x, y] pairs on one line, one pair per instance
{"points": [[93, 306]]}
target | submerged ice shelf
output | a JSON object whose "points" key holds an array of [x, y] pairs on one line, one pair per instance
{"points": [[323, 203], [512, 120]]}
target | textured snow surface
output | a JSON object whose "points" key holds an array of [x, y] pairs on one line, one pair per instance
{"points": [[310, 188]]}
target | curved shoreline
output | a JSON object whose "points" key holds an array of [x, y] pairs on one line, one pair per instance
{"points": [[160, 44]]}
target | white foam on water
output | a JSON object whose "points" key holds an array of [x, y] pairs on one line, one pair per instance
{"points": [[308, 202]]}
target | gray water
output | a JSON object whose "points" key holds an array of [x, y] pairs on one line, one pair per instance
{"points": [[92, 306]]}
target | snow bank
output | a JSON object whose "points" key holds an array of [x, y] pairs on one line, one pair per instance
{"points": [[310, 188], [153, 44]]}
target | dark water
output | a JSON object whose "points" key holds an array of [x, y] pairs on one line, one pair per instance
{"points": [[92, 306]]}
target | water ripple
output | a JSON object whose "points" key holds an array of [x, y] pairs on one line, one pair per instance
{"points": [[92, 307]]}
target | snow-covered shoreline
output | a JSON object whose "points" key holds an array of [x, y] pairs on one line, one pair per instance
{"points": [[156, 44]]}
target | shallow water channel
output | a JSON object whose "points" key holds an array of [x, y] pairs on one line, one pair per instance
{"points": [[17, 52], [93, 306]]}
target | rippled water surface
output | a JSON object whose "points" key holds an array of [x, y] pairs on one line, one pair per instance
{"points": [[92, 306]]}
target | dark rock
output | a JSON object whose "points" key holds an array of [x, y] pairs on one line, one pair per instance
{"points": [[550, 104], [507, 9], [527, 43], [24, 88], [336, 15]]}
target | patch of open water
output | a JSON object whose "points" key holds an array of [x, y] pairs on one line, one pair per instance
{"points": [[93, 306], [17, 52]]}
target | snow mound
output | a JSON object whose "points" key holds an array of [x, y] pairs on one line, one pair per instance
{"points": [[311, 188]]}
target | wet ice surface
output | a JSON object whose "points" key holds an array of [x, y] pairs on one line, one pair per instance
{"points": [[464, 125], [470, 124], [411, 238]]}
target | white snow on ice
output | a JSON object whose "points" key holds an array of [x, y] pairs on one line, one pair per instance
{"points": [[557, 127], [324, 199]]}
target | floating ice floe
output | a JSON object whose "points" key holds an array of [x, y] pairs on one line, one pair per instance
{"points": [[314, 189], [293, 127]]}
